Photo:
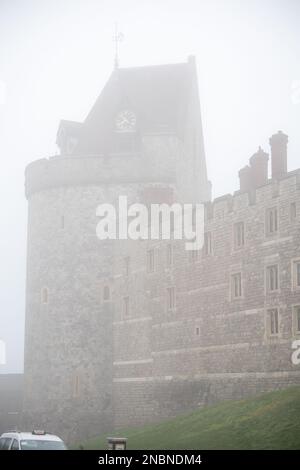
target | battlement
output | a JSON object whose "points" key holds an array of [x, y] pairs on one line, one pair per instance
{"points": [[272, 189]]}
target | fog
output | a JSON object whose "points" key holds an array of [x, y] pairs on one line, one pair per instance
{"points": [[56, 55]]}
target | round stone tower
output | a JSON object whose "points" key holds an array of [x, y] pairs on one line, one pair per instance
{"points": [[143, 132]]}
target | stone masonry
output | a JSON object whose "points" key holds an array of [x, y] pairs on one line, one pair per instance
{"points": [[114, 340]]}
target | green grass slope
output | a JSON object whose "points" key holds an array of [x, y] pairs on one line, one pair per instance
{"points": [[269, 421]]}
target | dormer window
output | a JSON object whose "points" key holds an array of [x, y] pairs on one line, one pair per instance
{"points": [[68, 136], [71, 144]]}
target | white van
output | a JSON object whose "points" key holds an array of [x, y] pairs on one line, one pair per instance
{"points": [[35, 440]]}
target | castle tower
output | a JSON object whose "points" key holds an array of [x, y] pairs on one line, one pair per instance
{"points": [[144, 134]]}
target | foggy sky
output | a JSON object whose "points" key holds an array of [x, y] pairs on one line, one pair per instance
{"points": [[56, 55]]}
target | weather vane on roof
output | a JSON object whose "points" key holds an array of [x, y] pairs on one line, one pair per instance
{"points": [[117, 38]]}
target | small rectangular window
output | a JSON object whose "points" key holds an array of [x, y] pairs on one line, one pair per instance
{"points": [[236, 285], [76, 386], [171, 298], [126, 306], [273, 322], [296, 320], [106, 293], [207, 243], [293, 211], [150, 261], [296, 274], [197, 331], [127, 265], [239, 236], [169, 254], [272, 278], [62, 222], [271, 221], [44, 295]]}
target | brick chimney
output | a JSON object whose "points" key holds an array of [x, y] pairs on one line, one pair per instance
{"points": [[259, 168], [278, 144], [245, 178]]}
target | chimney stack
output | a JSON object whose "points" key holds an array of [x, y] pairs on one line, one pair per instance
{"points": [[278, 144], [259, 168], [245, 178]]}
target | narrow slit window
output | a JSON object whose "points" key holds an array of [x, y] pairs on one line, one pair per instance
{"points": [[273, 322], [239, 235], [169, 254], [271, 221], [45, 295], [126, 306], [236, 286], [272, 278], [171, 298], [150, 261], [106, 293], [127, 265]]}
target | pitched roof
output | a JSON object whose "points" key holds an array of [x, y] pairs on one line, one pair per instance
{"points": [[158, 95]]}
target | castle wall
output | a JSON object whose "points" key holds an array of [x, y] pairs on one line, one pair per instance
{"points": [[210, 347]]}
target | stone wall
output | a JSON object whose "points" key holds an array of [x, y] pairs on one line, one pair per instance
{"points": [[210, 347]]}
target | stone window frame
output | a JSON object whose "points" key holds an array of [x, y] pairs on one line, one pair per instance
{"points": [[268, 322], [44, 295], [171, 298], [237, 224], [295, 285], [268, 290], [295, 319], [233, 275], [268, 212]]}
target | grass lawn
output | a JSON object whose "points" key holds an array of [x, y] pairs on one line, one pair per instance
{"points": [[269, 421]]}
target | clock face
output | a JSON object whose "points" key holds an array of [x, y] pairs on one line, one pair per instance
{"points": [[125, 121]]}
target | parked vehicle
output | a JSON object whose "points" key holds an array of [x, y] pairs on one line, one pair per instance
{"points": [[35, 440]]}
